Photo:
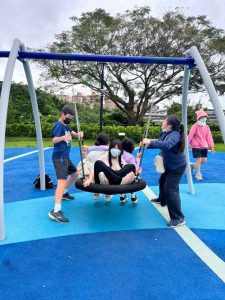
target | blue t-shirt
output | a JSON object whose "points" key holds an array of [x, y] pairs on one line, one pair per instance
{"points": [[61, 149]]}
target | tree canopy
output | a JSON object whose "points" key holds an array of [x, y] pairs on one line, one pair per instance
{"points": [[136, 32], [20, 109]]}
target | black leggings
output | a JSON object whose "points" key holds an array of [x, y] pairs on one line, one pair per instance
{"points": [[169, 191], [114, 177]]}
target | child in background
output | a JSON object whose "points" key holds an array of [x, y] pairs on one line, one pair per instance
{"points": [[94, 152], [200, 139]]}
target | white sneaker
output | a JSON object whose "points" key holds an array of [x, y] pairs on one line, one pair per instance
{"points": [[108, 198], [199, 176], [96, 196]]}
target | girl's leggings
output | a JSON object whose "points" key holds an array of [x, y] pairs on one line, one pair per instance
{"points": [[114, 177]]}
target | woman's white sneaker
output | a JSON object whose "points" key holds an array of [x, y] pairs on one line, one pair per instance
{"points": [[108, 198], [199, 176], [96, 196]]}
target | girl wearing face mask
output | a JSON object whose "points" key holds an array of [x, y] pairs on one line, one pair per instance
{"points": [[200, 139], [112, 169]]}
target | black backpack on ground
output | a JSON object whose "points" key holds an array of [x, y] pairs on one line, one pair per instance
{"points": [[48, 182]]}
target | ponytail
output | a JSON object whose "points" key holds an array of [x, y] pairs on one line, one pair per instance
{"points": [[176, 125], [182, 139]]}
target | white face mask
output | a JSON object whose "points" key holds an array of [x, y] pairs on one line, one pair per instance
{"points": [[115, 152], [202, 122], [167, 129]]}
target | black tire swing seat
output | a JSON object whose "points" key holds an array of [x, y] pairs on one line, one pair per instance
{"points": [[111, 189]]}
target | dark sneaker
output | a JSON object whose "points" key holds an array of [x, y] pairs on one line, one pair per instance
{"points": [[58, 216], [155, 200], [123, 198], [136, 179], [192, 167], [134, 199], [175, 223], [67, 196]]}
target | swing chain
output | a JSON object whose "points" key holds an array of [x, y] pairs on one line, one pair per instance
{"points": [[80, 140]]}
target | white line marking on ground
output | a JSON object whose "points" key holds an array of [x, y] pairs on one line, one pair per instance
{"points": [[216, 264], [24, 154]]}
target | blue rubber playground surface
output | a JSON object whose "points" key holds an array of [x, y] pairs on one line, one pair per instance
{"points": [[110, 251]]}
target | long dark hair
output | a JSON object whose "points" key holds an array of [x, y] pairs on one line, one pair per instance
{"points": [[128, 145], [176, 125], [102, 139], [112, 145]]}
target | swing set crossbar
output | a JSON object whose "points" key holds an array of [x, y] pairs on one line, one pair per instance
{"points": [[103, 58]]}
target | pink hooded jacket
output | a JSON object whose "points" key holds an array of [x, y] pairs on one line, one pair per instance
{"points": [[200, 137]]}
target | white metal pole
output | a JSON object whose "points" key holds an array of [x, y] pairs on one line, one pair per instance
{"points": [[184, 121], [4, 100], [36, 120], [210, 88]]}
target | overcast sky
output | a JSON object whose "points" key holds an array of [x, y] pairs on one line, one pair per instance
{"points": [[35, 22]]}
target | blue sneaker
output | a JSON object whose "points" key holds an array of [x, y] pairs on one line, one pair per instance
{"points": [[58, 216], [175, 223]]}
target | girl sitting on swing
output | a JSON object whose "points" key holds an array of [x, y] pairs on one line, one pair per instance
{"points": [[112, 169]]}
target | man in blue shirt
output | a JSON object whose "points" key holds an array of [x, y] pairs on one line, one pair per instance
{"points": [[62, 135]]}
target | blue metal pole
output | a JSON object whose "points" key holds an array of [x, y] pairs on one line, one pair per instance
{"points": [[103, 58]]}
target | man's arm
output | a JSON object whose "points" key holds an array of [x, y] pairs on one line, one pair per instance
{"points": [[76, 134], [62, 138]]}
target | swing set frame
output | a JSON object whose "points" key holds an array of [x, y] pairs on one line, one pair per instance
{"points": [[192, 59]]}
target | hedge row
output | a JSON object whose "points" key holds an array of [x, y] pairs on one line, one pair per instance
{"points": [[91, 131]]}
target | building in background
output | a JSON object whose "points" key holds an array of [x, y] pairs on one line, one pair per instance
{"points": [[91, 101], [159, 114]]}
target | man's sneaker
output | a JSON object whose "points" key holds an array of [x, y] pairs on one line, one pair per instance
{"points": [[96, 196], [108, 198], [134, 199], [199, 176], [175, 223], [67, 196], [123, 198], [58, 216], [155, 201]]}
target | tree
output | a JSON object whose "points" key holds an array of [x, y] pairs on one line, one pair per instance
{"points": [[176, 108], [20, 109], [136, 32], [115, 117]]}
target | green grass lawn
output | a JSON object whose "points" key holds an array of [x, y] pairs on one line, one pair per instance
{"points": [[220, 147], [20, 142]]}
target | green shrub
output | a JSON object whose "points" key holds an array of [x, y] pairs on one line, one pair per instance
{"points": [[91, 131], [217, 137]]}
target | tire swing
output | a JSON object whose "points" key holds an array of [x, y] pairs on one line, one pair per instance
{"points": [[108, 189]]}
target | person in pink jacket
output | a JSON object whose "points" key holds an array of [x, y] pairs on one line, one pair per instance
{"points": [[200, 139]]}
